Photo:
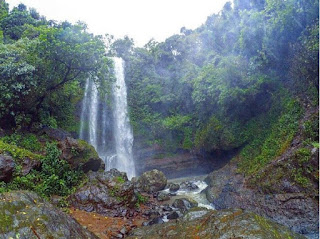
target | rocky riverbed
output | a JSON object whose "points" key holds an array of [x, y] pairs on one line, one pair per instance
{"points": [[108, 205]]}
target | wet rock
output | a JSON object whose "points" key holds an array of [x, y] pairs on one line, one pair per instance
{"points": [[184, 204], [216, 225], [191, 186], [30, 216], [151, 181], [151, 213], [108, 193], [110, 177], [162, 196], [173, 215], [7, 165], [173, 187], [157, 220], [79, 154], [29, 164], [172, 194], [195, 213], [167, 208]]}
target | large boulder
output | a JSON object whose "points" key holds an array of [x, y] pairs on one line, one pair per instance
{"points": [[6, 167], [79, 154], [215, 225], [109, 193], [25, 215], [151, 181]]}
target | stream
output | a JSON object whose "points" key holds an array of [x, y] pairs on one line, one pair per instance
{"points": [[190, 187]]}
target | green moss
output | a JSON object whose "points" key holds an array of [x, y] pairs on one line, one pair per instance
{"points": [[7, 210], [120, 179], [17, 153], [298, 169], [86, 151], [140, 199], [271, 138], [6, 222], [301, 174], [311, 128], [26, 141]]}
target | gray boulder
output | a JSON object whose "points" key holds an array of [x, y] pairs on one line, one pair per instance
{"points": [[151, 181]]}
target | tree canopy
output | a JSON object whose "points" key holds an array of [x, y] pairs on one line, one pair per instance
{"points": [[43, 65]]}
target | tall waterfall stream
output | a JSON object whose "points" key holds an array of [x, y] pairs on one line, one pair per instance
{"points": [[97, 124]]}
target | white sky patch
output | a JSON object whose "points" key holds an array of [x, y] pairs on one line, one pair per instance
{"points": [[139, 19]]}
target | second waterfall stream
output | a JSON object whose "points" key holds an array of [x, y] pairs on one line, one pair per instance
{"points": [[109, 130]]}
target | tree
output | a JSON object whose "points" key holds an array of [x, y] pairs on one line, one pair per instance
{"points": [[43, 64], [14, 24]]}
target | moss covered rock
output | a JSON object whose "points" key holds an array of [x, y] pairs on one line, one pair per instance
{"points": [[80, 154], [151, 181], [25, 215], [208, 224], [110, 193]]}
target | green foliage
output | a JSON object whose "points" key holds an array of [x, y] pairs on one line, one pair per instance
{"points": [[311, 129], [15, 23], [176, 121], [55, 178], [303, 172], [273, 140], [306, 56], [208, 88], [120, 179], [140, 199], [16, 152], [26, 141], [42, 68]]}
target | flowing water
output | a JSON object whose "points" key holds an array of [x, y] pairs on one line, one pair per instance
{"points": [[122, 129], [197, 194], [108, 129]]}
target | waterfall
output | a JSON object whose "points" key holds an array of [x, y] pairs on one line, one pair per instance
{"points": [[93, 117], [89, 114], [109, 130], [122, 129]]}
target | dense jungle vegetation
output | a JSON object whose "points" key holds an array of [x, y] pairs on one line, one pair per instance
{"points": [[242, 80]]}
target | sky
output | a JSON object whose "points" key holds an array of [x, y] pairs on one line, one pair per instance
{"points": [[139, 19]]}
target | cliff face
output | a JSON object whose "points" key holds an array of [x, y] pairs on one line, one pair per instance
{"points": [[179, 164]]}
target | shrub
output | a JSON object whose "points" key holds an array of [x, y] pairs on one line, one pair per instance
{"points": [[55, 178]]}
